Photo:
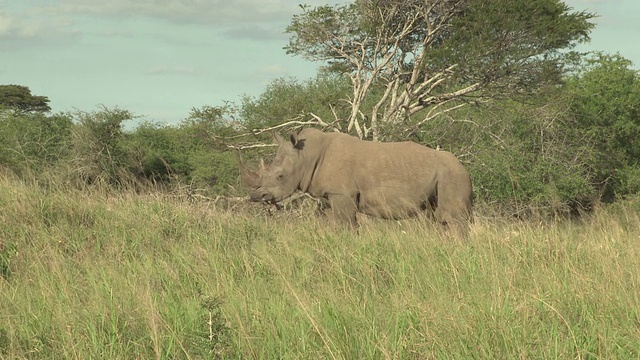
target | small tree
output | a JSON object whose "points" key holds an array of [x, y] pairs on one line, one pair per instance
{"points": [[19, 99], [435, 55]]}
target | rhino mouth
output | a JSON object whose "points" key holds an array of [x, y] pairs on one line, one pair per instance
{"points": [[266, 198]]}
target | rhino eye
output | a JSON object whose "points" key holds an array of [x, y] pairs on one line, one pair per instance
{"points": [[280, 177]]}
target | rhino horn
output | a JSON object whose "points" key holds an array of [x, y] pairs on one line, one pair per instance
{"points": [[250, 177], [277, 138]]}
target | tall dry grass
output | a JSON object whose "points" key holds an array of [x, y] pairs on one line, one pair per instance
{"points": [[98, 274]]}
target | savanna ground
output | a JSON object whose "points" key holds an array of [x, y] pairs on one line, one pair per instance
{"points": [[105, 275]]}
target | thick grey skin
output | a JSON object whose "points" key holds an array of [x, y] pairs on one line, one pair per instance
{"points": [[389, 180]]}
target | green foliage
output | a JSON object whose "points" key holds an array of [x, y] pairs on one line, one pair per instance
{"points": [[511, 45], [92, 147], [492, 39], [211, 125], [214, 164], [215, 170], [7, 251], [4, 342], [563, 150], [524, 159], [19, 99], [158, 151], [311, 30], [32, 142], [99, 154], [290, 99], [194, 153], [606, 92], [627, 181]]}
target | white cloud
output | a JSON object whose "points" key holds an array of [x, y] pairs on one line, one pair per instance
{"points": [[171, 70], [18, 29], [273, 70], [6, 24], [214, 12], [255, 32], [55, 20]]}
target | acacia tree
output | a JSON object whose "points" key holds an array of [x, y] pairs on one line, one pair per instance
{"points": [[419, 59], [19, 98]]}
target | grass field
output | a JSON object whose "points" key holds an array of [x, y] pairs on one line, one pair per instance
{"points": [[98, 275]]}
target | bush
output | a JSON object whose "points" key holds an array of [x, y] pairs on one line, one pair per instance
{"points": [[158, 152], [98, 152], [193, 153], [605, 96], [627, 181], [33, 142], [523, 158]]}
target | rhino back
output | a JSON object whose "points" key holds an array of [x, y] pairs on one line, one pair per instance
{"points": [[351, 160]]}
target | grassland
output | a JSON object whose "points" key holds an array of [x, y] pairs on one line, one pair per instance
{"points": [[122, 276]]}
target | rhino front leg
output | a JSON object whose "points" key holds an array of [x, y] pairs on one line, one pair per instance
{"points": [[343, 209]]}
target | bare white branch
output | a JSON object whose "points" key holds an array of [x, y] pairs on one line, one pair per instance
{"points": [[250, 146]]}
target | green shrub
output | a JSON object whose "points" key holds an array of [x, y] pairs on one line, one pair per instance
{"points": [[627, 181], [193, 153], [605, 96], [523, 158], [98, 153], [33, 142], [158, 151]]}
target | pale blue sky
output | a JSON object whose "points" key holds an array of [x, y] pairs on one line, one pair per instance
{"points": [[160, 58]]}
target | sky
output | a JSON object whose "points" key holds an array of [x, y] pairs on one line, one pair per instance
{"points": [[161, 58]]}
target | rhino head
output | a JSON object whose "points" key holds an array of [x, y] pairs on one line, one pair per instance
{"points": [[278, 180]]}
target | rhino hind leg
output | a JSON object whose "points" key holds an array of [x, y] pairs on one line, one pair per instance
{"points": [[343, 209], [428, 208]]}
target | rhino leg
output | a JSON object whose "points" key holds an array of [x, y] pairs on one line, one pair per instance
{"points": [[450, 219], [453, 210], [343, 209]]}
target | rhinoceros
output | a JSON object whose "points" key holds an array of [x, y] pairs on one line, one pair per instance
{"points": [[391, 180]]}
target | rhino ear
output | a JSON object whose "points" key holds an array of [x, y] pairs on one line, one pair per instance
{"points": [[296, 141]]}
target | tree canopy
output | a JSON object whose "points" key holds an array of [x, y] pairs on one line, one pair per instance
{"points": [[435, 55], [20, 99]]}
